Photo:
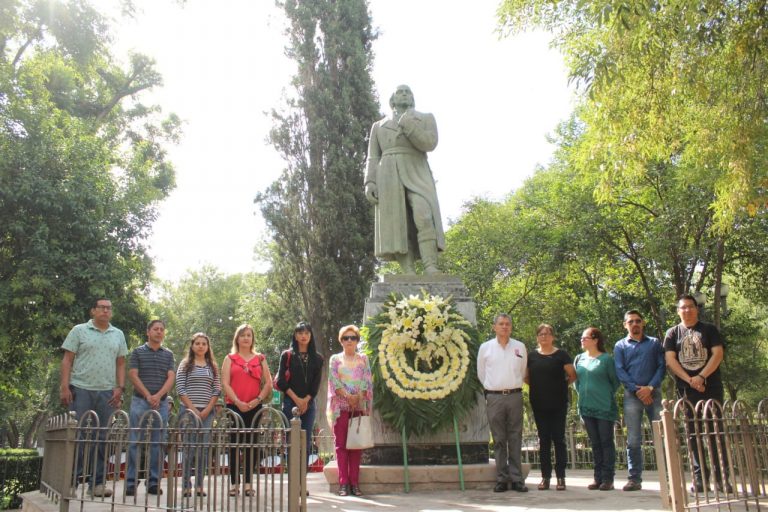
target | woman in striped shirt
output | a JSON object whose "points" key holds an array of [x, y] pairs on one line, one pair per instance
{"points": [[198, 384]]}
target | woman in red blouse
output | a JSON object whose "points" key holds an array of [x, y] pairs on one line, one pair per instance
{"points": [[247, 385]]}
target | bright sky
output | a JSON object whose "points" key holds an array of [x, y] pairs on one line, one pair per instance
{"points": [[223, 65]]}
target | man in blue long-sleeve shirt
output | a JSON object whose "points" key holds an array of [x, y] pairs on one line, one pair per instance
{"points": [[640, 367]]}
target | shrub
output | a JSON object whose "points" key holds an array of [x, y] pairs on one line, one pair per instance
{"points": [[19, 473]]}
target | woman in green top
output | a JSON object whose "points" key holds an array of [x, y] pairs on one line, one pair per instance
{"points": [[596, 384]]}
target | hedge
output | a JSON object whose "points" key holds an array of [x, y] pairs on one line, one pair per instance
{"points": [[19, 473]]}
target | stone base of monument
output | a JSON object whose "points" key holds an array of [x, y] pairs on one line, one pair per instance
{"points": [[426, 453], [391, 479]]}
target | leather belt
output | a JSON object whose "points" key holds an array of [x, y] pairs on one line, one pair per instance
{"points": [[503, 391]]}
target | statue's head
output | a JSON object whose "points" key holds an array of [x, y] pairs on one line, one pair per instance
{"points": [[402, 97]]}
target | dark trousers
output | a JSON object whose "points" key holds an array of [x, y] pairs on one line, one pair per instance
{"points": [[550, 424], [697, 443], [242, 444], [600, 434]]}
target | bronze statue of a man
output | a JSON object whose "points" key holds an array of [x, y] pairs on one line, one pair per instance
{"points": [[399, 183]]}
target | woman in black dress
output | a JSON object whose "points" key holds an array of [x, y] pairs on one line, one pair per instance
{"points": [[550, 372]]}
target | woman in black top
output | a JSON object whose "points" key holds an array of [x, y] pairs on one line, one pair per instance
{"points": [[298, 376], [550, 371]]}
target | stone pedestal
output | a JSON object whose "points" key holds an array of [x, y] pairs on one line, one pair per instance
{"points": [[391, 479], [440, 447], [436, 284]]}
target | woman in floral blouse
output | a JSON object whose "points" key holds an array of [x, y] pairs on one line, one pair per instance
{"points": [[350, 389]]}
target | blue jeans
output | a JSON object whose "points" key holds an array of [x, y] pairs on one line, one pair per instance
{"points": [[156, 435], [307, 419], [600, 434], [633, 417], [84, 400], [195, 450]]}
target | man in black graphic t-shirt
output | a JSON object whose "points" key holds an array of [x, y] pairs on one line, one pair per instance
{"points": [[693, 352]]}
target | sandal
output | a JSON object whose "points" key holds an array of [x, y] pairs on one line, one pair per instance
{"points": [[187, 493], [234, 491], [201, 492], [249, 492]]}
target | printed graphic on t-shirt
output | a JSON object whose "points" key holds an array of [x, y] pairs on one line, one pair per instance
{"points": [[693, 354]]}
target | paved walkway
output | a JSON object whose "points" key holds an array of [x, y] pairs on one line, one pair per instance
{"points": [[577, 497]]}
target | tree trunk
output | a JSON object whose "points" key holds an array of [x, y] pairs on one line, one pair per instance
{"points": [[716, 310]]}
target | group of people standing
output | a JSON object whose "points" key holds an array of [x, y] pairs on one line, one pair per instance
{"points": [[692, 350], [93, 377]]}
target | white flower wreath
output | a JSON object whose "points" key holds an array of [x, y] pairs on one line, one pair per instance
{"points": [[423, 353]]}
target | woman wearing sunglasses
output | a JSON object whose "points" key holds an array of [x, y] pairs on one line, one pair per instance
{"points": [[350, 391]]}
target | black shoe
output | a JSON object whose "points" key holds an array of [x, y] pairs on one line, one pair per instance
{"points": [[154, 489], [518, 486], [356, 491], [130, 491], [343, 490], [500, 487]]}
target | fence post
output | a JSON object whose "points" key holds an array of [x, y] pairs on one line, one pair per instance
{"points": [[294, 464], [661, 465], [572, 444], [672, 458]]}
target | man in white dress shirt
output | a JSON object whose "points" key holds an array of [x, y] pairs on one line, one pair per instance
{"points": [[501, 364]]}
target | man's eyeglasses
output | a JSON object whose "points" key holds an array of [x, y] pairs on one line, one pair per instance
{"points": [[103, 308], [635, 321], [350, 338], [686, 308]]}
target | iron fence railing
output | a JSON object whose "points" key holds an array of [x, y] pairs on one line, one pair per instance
{"points": [[198, 467], [715, 455]]}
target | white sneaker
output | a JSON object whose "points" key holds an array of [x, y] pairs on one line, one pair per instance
{"points": [[100, 491]]}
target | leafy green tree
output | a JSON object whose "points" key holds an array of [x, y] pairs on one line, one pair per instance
{"points": [[679, 81], [674, 88], [83, 168], [203, 300], [321, 253]]}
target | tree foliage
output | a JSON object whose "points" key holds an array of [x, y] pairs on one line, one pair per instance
{"points": [[679, 83], [552, 252], [208, 301], [322, 249], [83, 168]]}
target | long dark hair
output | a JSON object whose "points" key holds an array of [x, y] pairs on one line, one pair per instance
{"points": [[189, 361], [311, 347]]}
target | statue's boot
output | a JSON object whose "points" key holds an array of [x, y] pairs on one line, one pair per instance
{"points": [[406, 263], [428, 250]]}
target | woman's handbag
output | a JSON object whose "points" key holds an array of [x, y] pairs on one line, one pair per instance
{"points": [[287, 374], [359, 433]]}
